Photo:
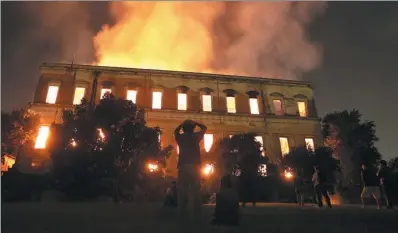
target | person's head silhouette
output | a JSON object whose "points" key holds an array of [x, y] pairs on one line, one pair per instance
{"points": [[188, 126]]}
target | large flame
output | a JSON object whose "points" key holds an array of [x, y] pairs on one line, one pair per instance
{"points": [[158, 35], [248, 38]]}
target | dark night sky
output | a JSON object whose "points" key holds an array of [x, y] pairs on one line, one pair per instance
{"points": [[360, 41]]}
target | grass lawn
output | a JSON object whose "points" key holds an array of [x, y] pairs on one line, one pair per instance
{"points": [[121, 218]]}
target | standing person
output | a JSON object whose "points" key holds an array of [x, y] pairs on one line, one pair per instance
{"points": [[248, 179], [387, 183], [227, 204], [189, 165], [371, 185], [299, 189], [319, 182]]}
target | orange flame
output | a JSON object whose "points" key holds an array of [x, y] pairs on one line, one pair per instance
{"points": [[158, 35]]}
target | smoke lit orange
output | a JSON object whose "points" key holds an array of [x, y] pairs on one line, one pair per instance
{"points": [[266, 39]]}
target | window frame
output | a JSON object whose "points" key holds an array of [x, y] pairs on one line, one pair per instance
{"points": [[160, 102], [282, 112], [48, 91], [74, 94], [280, 145], [178, 101], [203, 102], [257, 106]]}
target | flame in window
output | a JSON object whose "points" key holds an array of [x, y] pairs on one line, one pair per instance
{"points": [[284, 146], [278, 107], [260, 140], [132, 95], [208, 142], [105, 90], [309, 142], [206, 103], [79, 95], [302, 108], [231, 106], [52, 94], [157, 100], [42, 136], [253, 102], [182, 101], [262, 169]]}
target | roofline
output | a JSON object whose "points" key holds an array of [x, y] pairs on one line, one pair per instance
{"points": [[170, 72]]}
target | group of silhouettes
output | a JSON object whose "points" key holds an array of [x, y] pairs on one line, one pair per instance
{"points": [[378, 183], [227, 202]]}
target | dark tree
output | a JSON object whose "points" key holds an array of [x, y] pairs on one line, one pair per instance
{"points": [[303, 161], [109, 142], [18, 128], [352, 141]]}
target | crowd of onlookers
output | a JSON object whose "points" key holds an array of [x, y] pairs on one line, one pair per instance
{"points": [[377, 182]]}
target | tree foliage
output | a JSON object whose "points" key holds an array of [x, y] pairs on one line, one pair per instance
{"points": [[108, 142], [241, 152], [303, 161], [346, 130], [18, 128]]}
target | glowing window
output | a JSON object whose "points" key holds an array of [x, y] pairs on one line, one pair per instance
{"points": [[260, 140], [157, 100], [230, 136], [206, 103], [309, 142], [262, 170], [52, 94], [182, 101], [178, 150], [254, 106], [208, 140], [278, 107], [105, 90], [42, 136], [302, 108], [132, 95], [79, 95], [284, 146], [231, 106]]}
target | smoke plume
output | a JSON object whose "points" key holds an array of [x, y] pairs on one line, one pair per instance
{"points": [[266, 39]]}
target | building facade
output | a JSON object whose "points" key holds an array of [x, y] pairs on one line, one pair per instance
{"points": [[281, 112]]}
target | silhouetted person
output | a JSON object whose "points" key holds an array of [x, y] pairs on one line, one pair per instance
{"points": [[387, 182], [248, 179], [171, 195], [371, 185], [227, 204], [299, 189], [189, 165], [319, 181]]}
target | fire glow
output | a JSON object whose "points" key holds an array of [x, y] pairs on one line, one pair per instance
{"points": [[183, 36]]}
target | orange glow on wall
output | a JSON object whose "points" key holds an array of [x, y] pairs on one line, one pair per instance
{"points": [[208, 141], [132, 95], [182, 101], [284, 145], [79, 95], [52, 94], [157, 100], [253, 102], [302, 108], [42, 136], [105, 90], [206, 101]]}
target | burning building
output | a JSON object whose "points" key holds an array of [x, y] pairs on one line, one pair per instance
{"points": [[281, 112]]}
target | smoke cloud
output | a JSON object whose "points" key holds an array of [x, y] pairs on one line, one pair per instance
{"points": [[266, 39]]}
